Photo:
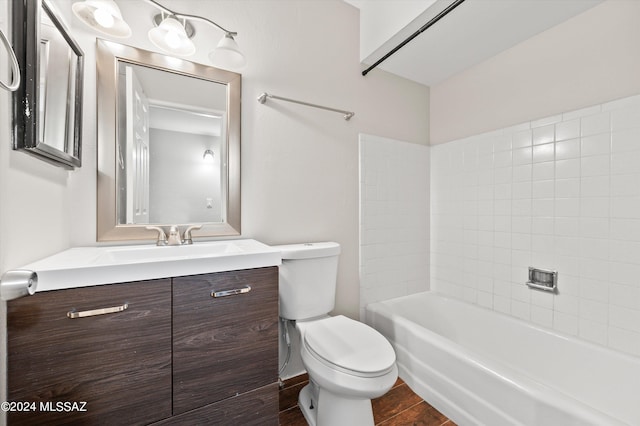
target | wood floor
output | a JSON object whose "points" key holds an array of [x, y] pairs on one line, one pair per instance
{"points": [[399, 406]]}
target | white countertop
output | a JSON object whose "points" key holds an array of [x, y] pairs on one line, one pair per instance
{"points": [[87, 266]]}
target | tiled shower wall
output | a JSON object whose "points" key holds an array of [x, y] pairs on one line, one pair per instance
{"points": [[558, 193], [394, 219]]}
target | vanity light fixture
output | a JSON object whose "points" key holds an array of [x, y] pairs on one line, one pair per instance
{"points": [[226, 54], [172, 32], [103, 16]]}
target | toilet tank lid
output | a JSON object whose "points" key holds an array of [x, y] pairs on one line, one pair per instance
{"points": [[309, 250]]}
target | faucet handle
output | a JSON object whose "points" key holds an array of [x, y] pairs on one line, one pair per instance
{"points": [[162, 237], [187, 234]]}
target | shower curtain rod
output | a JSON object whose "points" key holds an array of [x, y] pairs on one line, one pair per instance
{"points": [[432, 21], [263, 98]]}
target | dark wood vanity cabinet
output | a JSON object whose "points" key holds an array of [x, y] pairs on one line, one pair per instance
{"points": [[116, 367], [223, 346], [176, 355]]}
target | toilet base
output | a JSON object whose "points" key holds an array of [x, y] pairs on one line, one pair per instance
{"points": [[323, 408]]}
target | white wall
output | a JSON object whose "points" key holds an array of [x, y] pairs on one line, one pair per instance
{"points": [[560, 193], [590, 59], [184, 181], [394, 219], [299, 165]]}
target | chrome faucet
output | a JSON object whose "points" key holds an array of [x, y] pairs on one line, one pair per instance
{"points": [[174, 235]]}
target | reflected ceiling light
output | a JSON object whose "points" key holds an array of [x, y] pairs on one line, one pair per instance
{"points": [[208, 155], [171, 37], [103, 16]]}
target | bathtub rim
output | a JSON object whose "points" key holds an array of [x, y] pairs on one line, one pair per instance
{"points": [[528, 384]]}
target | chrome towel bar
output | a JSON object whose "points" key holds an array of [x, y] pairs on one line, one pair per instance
{"points": [[263, 98]]}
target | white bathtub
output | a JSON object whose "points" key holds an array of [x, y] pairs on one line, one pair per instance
{"points": [[479, 367]]}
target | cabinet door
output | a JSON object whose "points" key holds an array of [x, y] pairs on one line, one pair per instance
{"points": [[223, 346], [258, 407], [119, 364]]}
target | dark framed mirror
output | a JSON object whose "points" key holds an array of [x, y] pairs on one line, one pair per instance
{"points": [[47, 109]]}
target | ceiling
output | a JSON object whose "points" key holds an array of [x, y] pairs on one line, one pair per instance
{"points": [[473, 32]]}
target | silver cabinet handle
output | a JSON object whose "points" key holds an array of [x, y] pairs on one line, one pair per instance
{"points": [[235, 291], [92, 313]]}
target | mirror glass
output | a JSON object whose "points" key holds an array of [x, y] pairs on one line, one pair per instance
{"points": [[172, 157], [48, 107], [170, 134]]}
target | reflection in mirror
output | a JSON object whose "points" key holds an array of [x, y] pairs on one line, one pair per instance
{"points": [[173, 157], [48, 108], [57, 65], [168, 122]]}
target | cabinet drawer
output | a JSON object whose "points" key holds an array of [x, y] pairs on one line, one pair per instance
{"points": [[223, 346], [255, 408], [118, 363]]}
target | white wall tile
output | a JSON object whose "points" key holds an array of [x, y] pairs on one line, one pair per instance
{"points": [[565, 188], [625, 118], [568, 149], [568, 130], [627, 185], [595, 144], [544, 134], [595, 124], [521, 139], [567, 168], [542, 122], [625, 140], [594, 186], [596, 165], [584, 112], [522, 156], [542, 153], [563, 193], [394, 213], [625, 162]]}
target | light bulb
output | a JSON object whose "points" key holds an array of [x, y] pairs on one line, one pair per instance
{"points": [[170, 36], [172, 39], [208, 156], [103, 17]]}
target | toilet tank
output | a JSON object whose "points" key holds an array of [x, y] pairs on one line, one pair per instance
{"points": [[307, 283]]}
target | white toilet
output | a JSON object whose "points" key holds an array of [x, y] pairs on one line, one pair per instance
{"points": [[348, 362]]}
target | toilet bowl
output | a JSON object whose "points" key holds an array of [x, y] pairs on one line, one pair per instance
{"points": [[348, 362]]}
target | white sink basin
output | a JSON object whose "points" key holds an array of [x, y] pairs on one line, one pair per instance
{"points": [[87, 266], [135, 254]]}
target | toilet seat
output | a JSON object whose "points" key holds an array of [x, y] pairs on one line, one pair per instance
{"points": [[349, 346]]}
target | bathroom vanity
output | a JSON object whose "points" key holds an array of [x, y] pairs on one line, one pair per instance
{"points": [[185, 349]]}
